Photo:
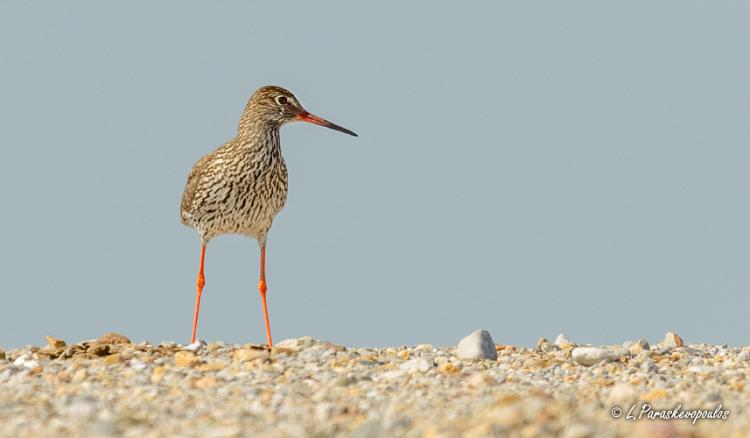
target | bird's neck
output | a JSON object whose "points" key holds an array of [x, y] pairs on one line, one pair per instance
{"points": [[258, 135]]}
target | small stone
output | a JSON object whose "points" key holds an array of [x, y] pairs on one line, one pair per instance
{"points": [[744, 356], [213, 366], [344, 381], [416, 365], [649, 367], [448, 368], [372, 428], [158, 374], [55, 343], [113, 338], [403, 354], [25, 361], [651, 429], [72, 350], [196, 346], [656, 394], [482, 380], [297, 344], [2, 354], [392, 375], [702, 369], [278, 351], [288, 343], [508, 415], [687, 350], [185, 359], [638, 347], [249, 354], [590, 355], [562, 341], [112, 359], [542, 344], [672, 340], [578, 430], [138, 365], [99, 349], [478, 345], [206, 382], [623, 393], [80, 407], [80, 376], [736, 384]]}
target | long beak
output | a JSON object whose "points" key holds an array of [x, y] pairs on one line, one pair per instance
{"points": [[304, 116]]}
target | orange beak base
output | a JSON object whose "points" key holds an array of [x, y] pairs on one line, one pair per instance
{"points": [[312, 118]]}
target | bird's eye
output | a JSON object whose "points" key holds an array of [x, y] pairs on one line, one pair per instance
{"points": [[282, 100]]}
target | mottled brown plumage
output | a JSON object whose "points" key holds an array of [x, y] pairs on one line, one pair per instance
{"points": [[241, 186]]}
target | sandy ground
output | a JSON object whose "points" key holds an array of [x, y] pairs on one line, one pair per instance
{"points": [[304, 387]]}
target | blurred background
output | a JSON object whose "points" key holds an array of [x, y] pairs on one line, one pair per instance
{"points": [[524, 168]]}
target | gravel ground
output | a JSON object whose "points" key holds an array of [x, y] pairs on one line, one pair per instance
{"points": [[304, 387]]}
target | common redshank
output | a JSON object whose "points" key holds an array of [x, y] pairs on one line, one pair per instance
{"points": [[241, 186]]}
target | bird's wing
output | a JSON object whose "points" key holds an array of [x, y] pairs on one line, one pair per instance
{"points": [[187, 206]]}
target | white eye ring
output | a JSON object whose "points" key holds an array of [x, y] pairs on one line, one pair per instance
{"points": [[282, 100]]}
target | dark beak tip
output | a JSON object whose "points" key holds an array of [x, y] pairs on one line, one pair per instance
{"points": [[311, 118]]}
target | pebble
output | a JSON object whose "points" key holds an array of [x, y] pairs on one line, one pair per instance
{"points": [[306, 387], [392, 375], [622, 394], [482, 380], [249, 354], [543, 345], [197, 346], [590, 355], [25, 361], [449, 368], [562, 341], [649, 367], [185, 359], [654, 395], [578, 430], [112, 359], [414, 365], [638, 347], [296, 344], [672, 340], [55, 343], [138, 365], [478, 345]]}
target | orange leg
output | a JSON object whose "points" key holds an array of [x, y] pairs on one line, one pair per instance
{"points": [[262, 289], [201, 281]]}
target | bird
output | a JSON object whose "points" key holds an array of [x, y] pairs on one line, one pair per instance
{"points": [[240, 187]]}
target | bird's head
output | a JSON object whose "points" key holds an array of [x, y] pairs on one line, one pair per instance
{"points": [[278, 106]]}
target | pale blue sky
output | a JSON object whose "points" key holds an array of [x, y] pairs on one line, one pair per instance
{"points": [[526, 168]]}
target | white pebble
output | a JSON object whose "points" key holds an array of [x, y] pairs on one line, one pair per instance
{"points": [[414, 365], [25, 361], [196, 346], [562, 340], [590, 355], [478, 345]]}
